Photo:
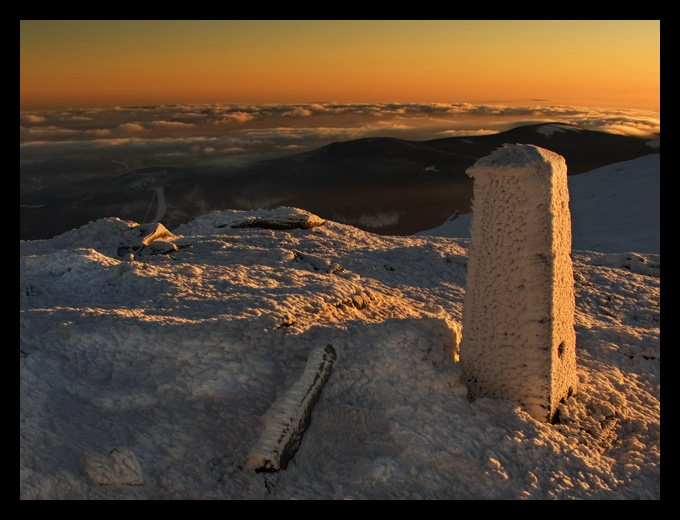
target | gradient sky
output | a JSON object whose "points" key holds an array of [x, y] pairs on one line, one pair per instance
{"points": [[102, 63]]}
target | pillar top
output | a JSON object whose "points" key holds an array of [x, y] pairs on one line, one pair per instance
{"points": [[515, 157]]}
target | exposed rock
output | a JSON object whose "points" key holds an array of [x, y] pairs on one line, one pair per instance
{"points": [[298, 220], [162, 246], [144, 234], [147, 239]]}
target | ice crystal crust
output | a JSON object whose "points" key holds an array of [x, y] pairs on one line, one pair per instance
{"points": [[518, 317]]}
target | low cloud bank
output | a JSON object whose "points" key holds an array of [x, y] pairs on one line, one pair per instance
{"points": [[223, 135]]}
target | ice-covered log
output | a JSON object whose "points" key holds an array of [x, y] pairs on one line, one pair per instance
{"points": [[518, 338], [290, 416]]}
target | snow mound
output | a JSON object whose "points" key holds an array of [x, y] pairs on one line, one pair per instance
{"points": [[642, 264], [119, 467]]}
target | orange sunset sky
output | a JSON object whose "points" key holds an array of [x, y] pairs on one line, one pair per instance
{"points": [[83, 63]]}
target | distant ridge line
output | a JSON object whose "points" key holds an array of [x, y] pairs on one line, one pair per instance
{"points": [[385, 185]]}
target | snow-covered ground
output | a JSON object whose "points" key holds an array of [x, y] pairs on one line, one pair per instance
{"points": [[153, 376]]}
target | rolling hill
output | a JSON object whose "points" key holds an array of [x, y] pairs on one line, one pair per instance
{"points": [[384, 185]]}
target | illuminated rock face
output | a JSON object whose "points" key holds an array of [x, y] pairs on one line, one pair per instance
{"points": [[518, 340]]}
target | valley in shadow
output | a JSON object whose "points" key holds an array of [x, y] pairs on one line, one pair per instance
{"points": [[383, 185]]}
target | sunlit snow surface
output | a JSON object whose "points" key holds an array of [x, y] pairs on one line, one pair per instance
{"points": [[151, 377]]}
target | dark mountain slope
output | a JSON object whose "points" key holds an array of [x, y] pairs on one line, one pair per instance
{"points": [[385, 185], [404, 184], [584, 150]]}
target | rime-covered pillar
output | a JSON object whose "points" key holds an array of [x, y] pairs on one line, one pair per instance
{"points": [[518, 339]]}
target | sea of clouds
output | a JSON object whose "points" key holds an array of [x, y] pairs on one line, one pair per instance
{"points": [[132, 137]]}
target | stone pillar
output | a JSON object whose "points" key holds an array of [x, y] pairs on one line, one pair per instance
{"points": [[518, 339]]}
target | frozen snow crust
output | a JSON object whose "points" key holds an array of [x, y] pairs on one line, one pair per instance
{"points": [[150, 376]]}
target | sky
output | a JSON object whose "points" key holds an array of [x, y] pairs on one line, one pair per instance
{"points": [[221, 93], [98, 63]]}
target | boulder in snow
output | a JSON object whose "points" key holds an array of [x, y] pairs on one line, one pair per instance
{"points": [[291, 220], [145, 239]]}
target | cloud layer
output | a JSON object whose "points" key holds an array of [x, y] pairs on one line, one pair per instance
{"points": [[138, 136]]}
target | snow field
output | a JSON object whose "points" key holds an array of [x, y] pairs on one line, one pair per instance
{"points": [[161, 370]]}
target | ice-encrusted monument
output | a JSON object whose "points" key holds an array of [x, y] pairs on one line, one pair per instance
{"points": [[518, 339]]}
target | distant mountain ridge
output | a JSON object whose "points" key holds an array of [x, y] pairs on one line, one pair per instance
{"points": [[383, 185]]}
